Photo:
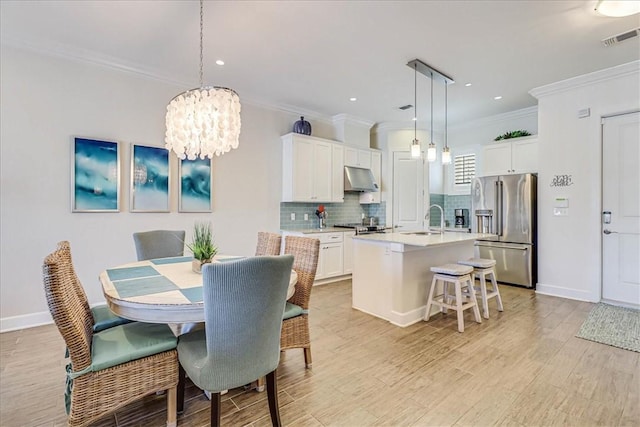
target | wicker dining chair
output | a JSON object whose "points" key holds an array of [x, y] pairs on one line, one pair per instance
{"points": [[243, 305], [295, 324], [268, 243], [111, 368], [102, 317], [159, 244]]}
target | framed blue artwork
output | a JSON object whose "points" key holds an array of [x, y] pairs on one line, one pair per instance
{"points": [[95, 176], [150, 179], [195, 185]]}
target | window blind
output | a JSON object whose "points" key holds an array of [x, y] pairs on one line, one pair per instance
{"points": [[464, 169]]}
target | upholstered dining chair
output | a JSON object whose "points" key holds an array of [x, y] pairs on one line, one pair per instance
{"points": [[111, 368], [268, 243], [102, 317], [295, 323], [159, 244], [243, 303]]}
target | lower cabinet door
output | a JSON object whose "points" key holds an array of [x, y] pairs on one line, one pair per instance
{"points": [[330, 261]]}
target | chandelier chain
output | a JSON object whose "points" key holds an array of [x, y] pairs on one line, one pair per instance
{"points": [[201, 31]]}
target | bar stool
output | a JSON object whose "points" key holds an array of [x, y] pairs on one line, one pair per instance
{"points": [[460, 277], [482, 268]]}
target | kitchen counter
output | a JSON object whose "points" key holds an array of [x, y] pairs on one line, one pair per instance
{"points": [[392, 271], [409, 238], [316, 230]]}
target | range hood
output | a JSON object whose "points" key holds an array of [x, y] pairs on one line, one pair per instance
{"points": [[359, 179]]}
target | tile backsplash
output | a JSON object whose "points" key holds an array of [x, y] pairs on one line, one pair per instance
{"points": [[449, 204], [337, 213]]}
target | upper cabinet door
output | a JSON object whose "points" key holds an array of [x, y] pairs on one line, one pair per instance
{"points": [[322, 172], [303, 176], [524, 156], [357, 157], [519, 155], [496, 159]]}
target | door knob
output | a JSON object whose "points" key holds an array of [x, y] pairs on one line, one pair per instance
{"points": [[605, 231]]}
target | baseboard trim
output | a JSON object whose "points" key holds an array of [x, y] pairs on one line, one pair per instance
{"points": [[26, 321], [562, 292]]}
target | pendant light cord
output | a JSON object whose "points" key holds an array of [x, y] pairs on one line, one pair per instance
{"points": [[415, 101], [201, 31], [446, 97], [431, 142]]}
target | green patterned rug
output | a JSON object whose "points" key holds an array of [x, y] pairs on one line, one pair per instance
{"points": [[612, 325]]}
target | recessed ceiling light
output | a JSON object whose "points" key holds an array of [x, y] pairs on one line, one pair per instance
{"points": [[220, 62], [617, 8], [353, 99], [468, 84], [497, 97]]}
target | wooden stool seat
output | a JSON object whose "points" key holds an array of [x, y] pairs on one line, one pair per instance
{"points": [[482, 268], [460, 276]]}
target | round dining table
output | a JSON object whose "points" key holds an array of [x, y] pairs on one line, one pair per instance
{"points": [[163, 290]]}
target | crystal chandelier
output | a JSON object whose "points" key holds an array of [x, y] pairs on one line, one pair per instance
{"points": [[204, 121]]}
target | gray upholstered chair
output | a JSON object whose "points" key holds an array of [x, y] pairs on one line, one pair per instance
{"points": [[243, 303], [159, 244]]}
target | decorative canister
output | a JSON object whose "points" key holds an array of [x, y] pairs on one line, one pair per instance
{"points": [[302, 126]]}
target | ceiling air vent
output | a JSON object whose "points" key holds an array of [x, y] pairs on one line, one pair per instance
{"points": [[405, 107], [610, 41]]}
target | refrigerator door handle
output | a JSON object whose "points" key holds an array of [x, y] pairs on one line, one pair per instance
{"points": [[499, 208], [502, 245]]}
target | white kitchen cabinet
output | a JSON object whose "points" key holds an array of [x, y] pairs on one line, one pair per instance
{"points": [[337, 178], [348, 252], [376, 169], [519, 155], [330, 257], [357, 157], [306, 169]]}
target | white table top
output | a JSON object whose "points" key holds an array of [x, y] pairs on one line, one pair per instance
{"points": [[164, 290]]}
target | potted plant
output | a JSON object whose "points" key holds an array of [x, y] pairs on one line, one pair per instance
{"points": [[202, 246]]}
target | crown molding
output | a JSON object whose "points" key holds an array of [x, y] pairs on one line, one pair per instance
{"points": [[352, 120], [90, 57], [587, 79]]}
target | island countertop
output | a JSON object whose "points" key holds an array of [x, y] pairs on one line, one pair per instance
{"points": [[413, 239]]}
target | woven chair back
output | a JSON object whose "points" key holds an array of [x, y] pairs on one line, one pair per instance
{"points": [[69, 309], [268, 243], [159, 244], [305, 252]]}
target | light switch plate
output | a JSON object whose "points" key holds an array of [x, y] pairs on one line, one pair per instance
{"points": [[306, 217], [293, 216], [560, 211]]}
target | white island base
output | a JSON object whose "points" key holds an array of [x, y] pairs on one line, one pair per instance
{"points": [[391, 272]]}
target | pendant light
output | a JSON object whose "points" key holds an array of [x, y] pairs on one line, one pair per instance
{"points": [[431, 150], [204, 121], [446, 154], [415, 144]]}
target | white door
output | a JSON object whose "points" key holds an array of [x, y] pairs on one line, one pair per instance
{"points": [[408, 191], [621, 197]]}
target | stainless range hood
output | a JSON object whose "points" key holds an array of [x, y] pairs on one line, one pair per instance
{"points": [[359, 179]]}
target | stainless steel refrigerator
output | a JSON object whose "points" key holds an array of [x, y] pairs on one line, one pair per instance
{"points": [[505, 205]]}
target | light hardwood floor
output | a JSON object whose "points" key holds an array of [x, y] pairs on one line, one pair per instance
{"points": [[522, 367]]}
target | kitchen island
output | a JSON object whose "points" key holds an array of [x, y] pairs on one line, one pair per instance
{"points": [[391, 271]]}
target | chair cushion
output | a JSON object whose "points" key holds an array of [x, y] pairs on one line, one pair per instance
{"points": [[452, 269], [479, 262], [124, 343], [291, 310], [105, 319]]}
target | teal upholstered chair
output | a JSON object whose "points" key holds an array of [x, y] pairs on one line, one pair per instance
{"points": [[103, 318], [243, 302], [112, 368], [159, 244]]}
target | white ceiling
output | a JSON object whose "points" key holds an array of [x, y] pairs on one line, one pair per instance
{"points": [[312, 56]]}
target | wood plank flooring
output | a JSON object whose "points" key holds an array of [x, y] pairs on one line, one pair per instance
{"points": [[521, 367]]}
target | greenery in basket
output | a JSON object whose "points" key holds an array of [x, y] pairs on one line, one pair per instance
{"points": [[202, 245], [512, 134]]}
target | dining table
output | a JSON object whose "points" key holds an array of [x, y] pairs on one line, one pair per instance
{"points": [[163, 290]]}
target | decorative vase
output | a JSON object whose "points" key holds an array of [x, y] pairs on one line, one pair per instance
{"points": [[196, 264], [302, 126]]}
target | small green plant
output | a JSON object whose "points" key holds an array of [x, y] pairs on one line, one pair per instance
{"points": [[202, 245], [512, 134]]}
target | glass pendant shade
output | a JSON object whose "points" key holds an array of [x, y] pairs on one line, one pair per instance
{"points": [[446, 156], [203, 122], [415, 149], [431, 152]]}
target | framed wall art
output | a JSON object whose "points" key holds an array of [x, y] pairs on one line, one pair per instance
{"points": [[95, 175], [150, 179], [195, 185]]}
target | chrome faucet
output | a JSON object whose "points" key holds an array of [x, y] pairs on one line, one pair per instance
{"points": [[428, 215]]}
